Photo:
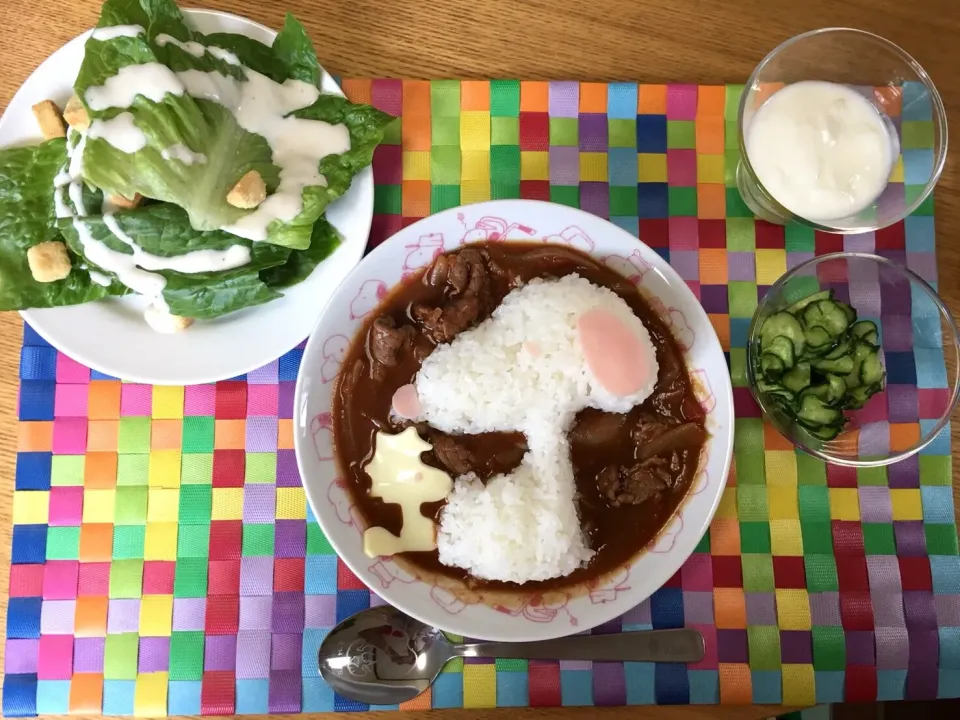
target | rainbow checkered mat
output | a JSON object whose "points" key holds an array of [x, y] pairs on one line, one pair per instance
{"points": [[165, 560]]}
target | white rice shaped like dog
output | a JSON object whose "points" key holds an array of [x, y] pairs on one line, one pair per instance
{"points": [[552, 348]]}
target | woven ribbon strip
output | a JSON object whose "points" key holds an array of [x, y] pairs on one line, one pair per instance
{"points": [[165, 560]]}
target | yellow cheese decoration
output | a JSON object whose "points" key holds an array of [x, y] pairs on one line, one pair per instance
{"points": [[399, 476]]}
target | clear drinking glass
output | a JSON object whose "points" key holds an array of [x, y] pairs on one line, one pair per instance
{"points": [[892, 81], [920, 352]]}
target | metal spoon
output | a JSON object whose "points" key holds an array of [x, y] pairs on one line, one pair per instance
{"points": [[381, 656]]}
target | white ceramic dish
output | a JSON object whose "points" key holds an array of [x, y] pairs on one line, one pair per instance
{"points": [[534, 616], [111, 335]]}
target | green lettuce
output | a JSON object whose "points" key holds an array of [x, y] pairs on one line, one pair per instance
{"points": [[163, 229], [206, 127], [27, 218]]}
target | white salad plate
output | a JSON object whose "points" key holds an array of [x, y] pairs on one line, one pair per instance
{"points": [[111, 335], [530, 616]]}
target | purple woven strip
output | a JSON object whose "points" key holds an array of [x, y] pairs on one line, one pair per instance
{"points": [[287, 473], [256, 576], [123, 616], [564, 99], [609, 684], [288, 612], [21, 656], [285, 691], [256, 612], [220, 652], [154, 654], [761, 609], [87, 654], [290, 539], [253, 654], [189, 613]]}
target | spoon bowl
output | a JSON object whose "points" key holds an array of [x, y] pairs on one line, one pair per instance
{"points": [[382, 657]]}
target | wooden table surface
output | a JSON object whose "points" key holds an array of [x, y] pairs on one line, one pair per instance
{"points": [[704, 41]]}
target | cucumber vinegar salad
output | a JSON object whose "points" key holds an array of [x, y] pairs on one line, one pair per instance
{"points": [[816, 360]]}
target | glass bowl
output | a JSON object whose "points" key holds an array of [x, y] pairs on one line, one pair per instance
{"points": [[920, 350], [896, 85]]}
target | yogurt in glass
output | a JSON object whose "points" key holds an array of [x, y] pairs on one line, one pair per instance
{"points": [[821, 149]]}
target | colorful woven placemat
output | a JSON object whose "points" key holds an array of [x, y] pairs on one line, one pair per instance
{"points": [[165, 560]]}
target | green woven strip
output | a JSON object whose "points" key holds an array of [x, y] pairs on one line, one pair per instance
{"points": [[186, 655], [757, 571], [133, 469], [134, 435], [261, 468], [764, 643], [126, 578], [66, 470], [317, 543], [196, 470], [258, 539], [131, 505], [829, 648], [748, 450], [190, 579], [681, 135], [195, 504], [120, 656], [63, 543], [198, 434], [128, 542], [741, 235], [810, 470], [821, 572], [505, 98], [193, 541]]}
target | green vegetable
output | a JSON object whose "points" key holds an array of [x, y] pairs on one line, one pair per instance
{"points": [[816, 360], [300, 264], [206, 127], [27, 218], [165, 230]]}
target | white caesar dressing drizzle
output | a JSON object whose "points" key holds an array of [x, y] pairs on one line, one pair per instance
{"points": [[121, 132], [260, 105], [184, 154], [220, 54], [196, 261], [194, 48], [99, 278], [152, 80], [109, 33], [71, 178]]}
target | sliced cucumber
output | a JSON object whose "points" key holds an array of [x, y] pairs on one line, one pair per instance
{"points": [[782, 347], [841, 365], [817, 360], [814, 412], [782, 324], [828, 315], [798, 378], [799, 305], [865, 330], [771, 366]]}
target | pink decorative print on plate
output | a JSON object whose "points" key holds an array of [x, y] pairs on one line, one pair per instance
{"points": [[338, 495], [632, 267], [367, 298], [422, 253], [572, 236], [540, 608], [676, 321], [389, 572], [668, 537], [334, 350], [447, 600], [321, 427], [703, 390], [612, 585], [492, 229]]}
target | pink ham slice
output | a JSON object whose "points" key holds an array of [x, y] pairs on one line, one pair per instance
{"points": [[613, 352], [406, 402]]}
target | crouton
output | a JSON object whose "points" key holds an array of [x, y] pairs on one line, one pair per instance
{"points": [[249, 192], [48, 261], [118, 201], [50, 120], [76, 114], [163, 322]]}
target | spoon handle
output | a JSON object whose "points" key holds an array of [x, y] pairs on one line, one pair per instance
{"points": [[682, 645]]}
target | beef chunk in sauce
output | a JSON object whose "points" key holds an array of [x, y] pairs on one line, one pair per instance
{"points": [[387, 341], [635, 484], [468, 301], [594, 428], [659, 438], [454, 456]]}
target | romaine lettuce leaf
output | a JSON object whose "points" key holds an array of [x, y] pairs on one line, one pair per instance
{"points": [[206, 127], [163, 229], [324, 240], [27, 218]]}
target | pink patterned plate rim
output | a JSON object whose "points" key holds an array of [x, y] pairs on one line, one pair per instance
{"points": [[534, 616]]}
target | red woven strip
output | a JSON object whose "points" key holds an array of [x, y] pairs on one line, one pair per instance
{"points": [[158, 577], [891, 238], [860, 684], [841, 477], [223, 615], [534, 131], [346, 580], [229, 468], [826, 243], [26, 580], [856, 608], [223, 577], [217, 692], [789, 573], [535, 189], [231, 402], [915, 573], [712, 234], [543, 679], [288, 574], [769, 236], [226, 539], [656, 232], [727, 571]]}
